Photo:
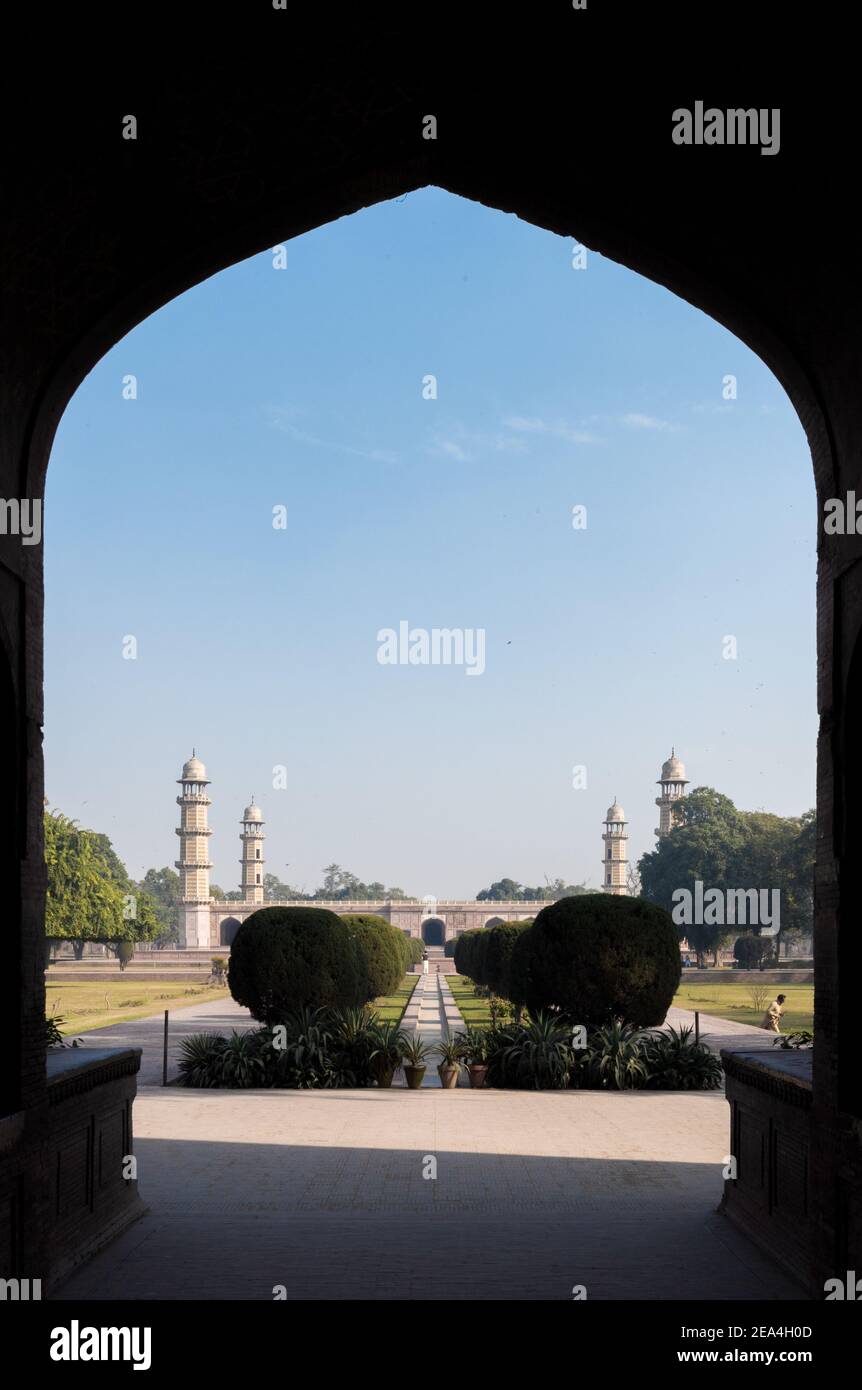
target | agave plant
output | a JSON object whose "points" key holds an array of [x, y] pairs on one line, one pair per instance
{"points": [[804, 1038], [450, 1051], [474, 1046], [200, 1059], [414, 1052], [615, 1057], [677, 1063], [539, 1054], [298, 1053], [354, 1038], [240, 1060], [385, 1055]]}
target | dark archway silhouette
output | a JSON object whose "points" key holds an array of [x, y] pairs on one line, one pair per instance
{"points": [[142, 221], [433, 932], [228, 929]]}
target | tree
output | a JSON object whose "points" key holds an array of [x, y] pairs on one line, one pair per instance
{"points": [[506, 890], [162, 887], [729, 849], [340, 884], [90, 896], [597, 958], [274, 890], [286, 958], [750, 951]]}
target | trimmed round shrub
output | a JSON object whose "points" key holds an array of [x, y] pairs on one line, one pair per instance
{"points": [[479, 957], [288, 958], [381, 957], [518, 982], [449, 947], [463, 953], [414, 947], [598, 958], [498, 955]]}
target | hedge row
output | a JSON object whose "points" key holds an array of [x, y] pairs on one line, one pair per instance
{"points": [[594, 958], [286, 958]]}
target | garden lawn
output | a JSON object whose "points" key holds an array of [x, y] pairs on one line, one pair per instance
{"points": [[86, 1004], [392, 1006], [476, 1013], [734, 1001]]}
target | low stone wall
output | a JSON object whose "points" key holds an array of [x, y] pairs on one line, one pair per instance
{"points": [[90, 1095], [770, 1138]]}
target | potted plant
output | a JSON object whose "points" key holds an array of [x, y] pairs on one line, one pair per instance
{"points": [[450, 1051], [474, 1045], [385, 1055], [413, 1054]]}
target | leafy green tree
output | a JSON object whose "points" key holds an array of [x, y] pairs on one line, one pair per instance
{"points": [[509, 890], [90, 895], [726, 848], [340, 884], [162, 887], [274, 890], [505, 890]]}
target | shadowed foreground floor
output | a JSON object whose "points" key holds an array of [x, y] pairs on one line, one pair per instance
{"points": [[323, 1192]]}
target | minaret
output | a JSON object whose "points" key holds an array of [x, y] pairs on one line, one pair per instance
{"points": [[193, 863], [252, 861], [673, 783], [616, 844]]}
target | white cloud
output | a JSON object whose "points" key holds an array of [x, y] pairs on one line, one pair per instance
{"points": [[282, 417], [635, 421], [523, 424]]}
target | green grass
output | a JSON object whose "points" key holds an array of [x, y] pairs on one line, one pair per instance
{"points": [[87, 1004], [392, 1006], [476, 1013], [733, 1001], [82, 1003]]}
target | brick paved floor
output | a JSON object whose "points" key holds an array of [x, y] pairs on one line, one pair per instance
{"points": [[535, 1192]]}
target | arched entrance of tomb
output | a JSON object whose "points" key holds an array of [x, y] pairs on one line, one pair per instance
{"points": [[433, 931], [228, 929]]}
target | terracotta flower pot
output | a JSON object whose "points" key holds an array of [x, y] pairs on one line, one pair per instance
{"points": [[385, 1075], [448, 1076], [477, 1075], [414, 1076]]}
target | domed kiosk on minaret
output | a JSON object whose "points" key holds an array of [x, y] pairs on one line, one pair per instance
{"points": [[615, 861], [673, 783], [251, 884]]}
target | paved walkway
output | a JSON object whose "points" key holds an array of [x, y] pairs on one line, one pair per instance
{"points": [[326, 1193], [215, 1016], [720, 1033]]}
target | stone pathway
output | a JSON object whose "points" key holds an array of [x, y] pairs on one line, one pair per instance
{"points": [[432, 1015], [329, 1194], [720, 1033]]}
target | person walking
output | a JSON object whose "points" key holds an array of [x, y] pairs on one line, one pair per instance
{"points": [[772, 1017], [424, 965]]}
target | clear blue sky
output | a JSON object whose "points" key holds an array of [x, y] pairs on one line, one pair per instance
{"points": [[303, 387]]}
